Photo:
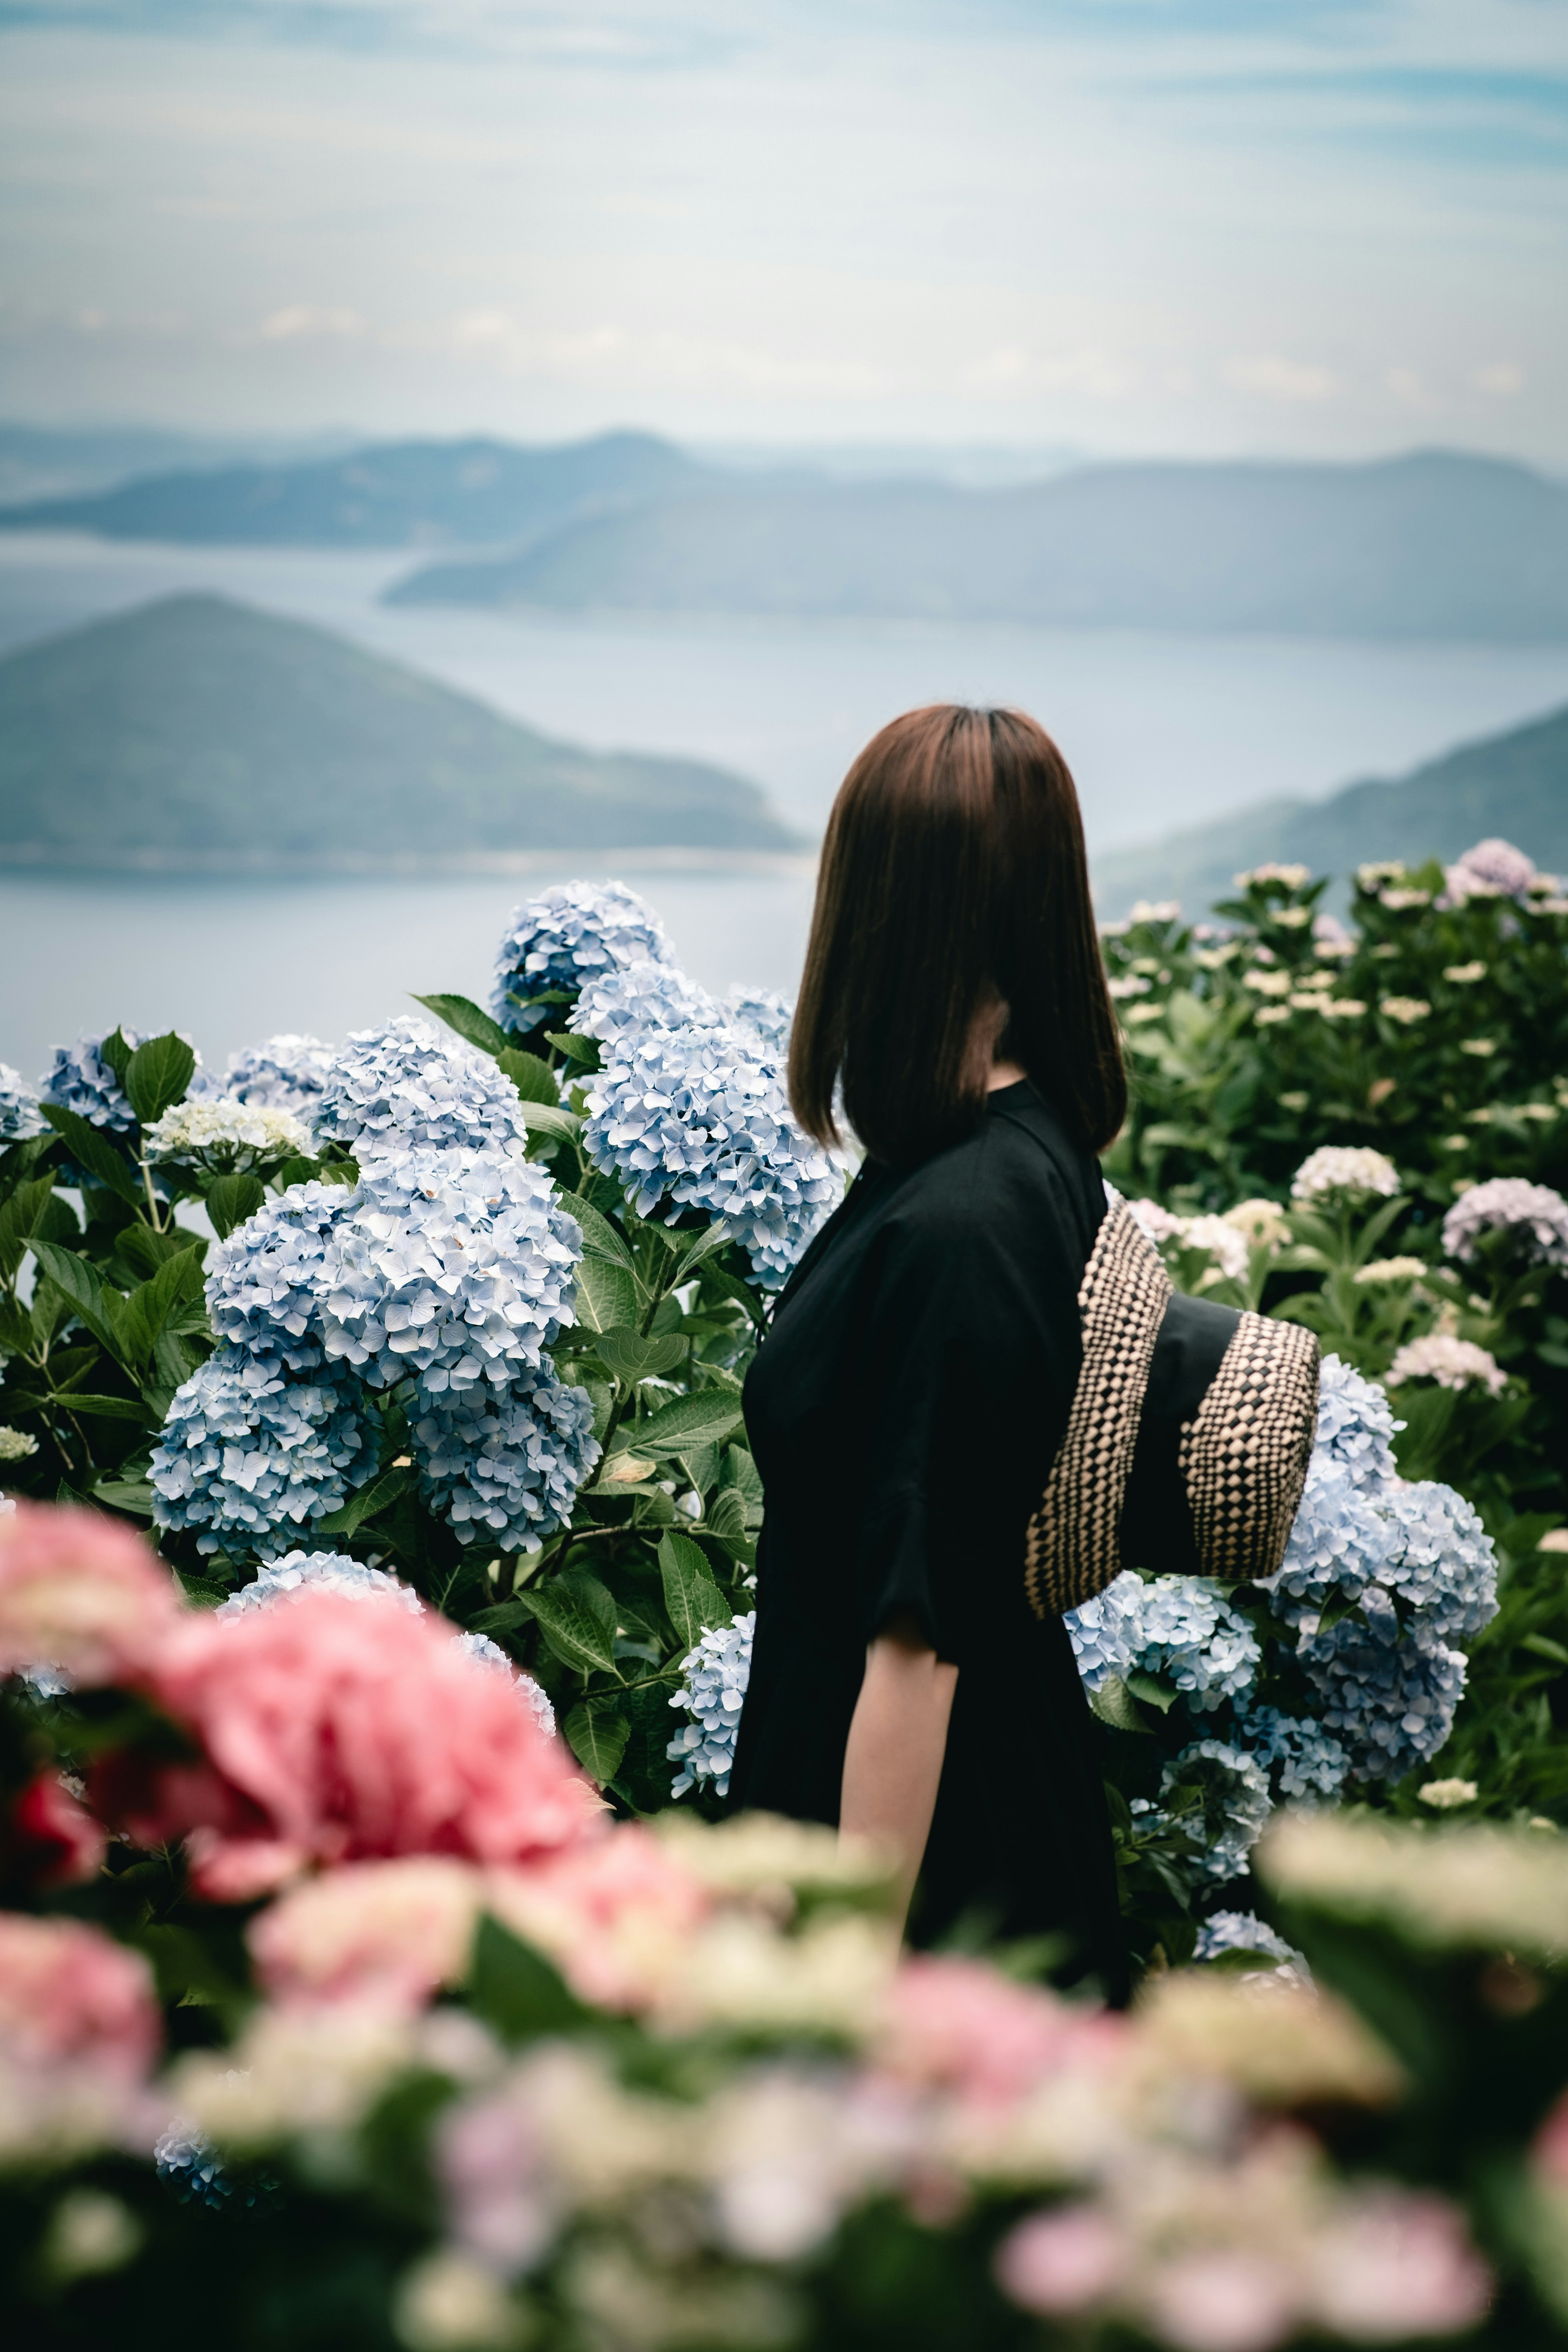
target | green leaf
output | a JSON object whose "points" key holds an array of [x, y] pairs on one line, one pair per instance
{"points": [[1542, 1646], [597, 1737], [131, 1496], [634, 1358], [599, 1237], [706, 1418], [1151, 1690], [605, 1295], [534, 1079], [158, 1073], [367, 1502], [77, 1279], [91, 1149], [144, 1251], [694, 1601], [577, 1617], [1115, 1705], [15, 1330], [231, 1199], [581, 1050], [460, 1012], [116, 1052], [102, 1408], [20, 1217], [548, 1119], [515, 1990]]}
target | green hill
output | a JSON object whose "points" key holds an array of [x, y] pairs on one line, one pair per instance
{"points": [[1514, 785], [196, 732]]}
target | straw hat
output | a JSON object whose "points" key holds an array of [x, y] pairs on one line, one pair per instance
{"points": [[1188, 1438]]}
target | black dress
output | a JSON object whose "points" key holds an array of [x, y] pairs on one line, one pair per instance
{"points": [[904, 1412]]}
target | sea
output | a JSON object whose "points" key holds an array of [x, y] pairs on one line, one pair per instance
{"points": [[1162, 731]]}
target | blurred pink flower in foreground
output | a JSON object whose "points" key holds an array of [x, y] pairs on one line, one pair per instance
{"points": [[334, 1732], [68, 1993], [48, 1840], [1057, 2263], [959, 2025], [79, 1590], [1399, 2264], [1225, 2300]]}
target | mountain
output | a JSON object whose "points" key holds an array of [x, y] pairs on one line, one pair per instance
{"points": [[195, 732], [1434, 545], [1514, 785], [407, 494], [57, 461]]}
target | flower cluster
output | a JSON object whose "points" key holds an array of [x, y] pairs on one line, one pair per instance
{"points": [[505, 1465], [1222, 1238], [1339, 1171], [266, 1284], [283, 1073], [246, 1451], [1491, 869], [555, 944], [407, 1086], [712, 1694], [79, 1079], [1233, 1808], [1240, 1931], [222, 1134], [1533, 1216], [1452, 1363], [16, 1446], [1307, 1762], [700, 1117], [1177, 1628], [764, 1013], [19, 1117]]}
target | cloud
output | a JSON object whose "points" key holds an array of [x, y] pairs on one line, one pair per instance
{"points": [[302, 320], [1271, 377]]}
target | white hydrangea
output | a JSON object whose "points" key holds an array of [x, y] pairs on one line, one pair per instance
{"points": [[409, 1087], [554, 944], [16, 1446], [1533, 1215], [19, 1115], [1220, 1237], [712, 1694], [244, 1450], [1344, 1171], [1452, 1363], [222, 1133]]}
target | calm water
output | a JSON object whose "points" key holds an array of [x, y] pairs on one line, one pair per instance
{"points": [[1162, 731]]}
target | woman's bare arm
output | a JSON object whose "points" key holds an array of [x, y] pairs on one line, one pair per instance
{"points": [[898, 1737]]}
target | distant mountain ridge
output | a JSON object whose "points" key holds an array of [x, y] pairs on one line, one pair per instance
{"points": [[198, 733], [1435, 545], [1514, 785]]}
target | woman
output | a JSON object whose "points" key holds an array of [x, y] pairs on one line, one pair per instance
{"points": [[915, 1386]]}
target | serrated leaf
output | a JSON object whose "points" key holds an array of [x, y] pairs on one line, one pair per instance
{"points": [[706, 1418], [1115, 1705], [158, 1075], [582, 1052], [605, 1295], [599, 1237], [131, 1496], [597, 1737], [461, 1013], [371, 1499], [102, 1408], [231, 1200], [694, 1601], [116, 1052], [1151, 1690], [533, 1079], [92, 1150], [79, 1282], [634, 1358], [577, 1617], [550, 1119]]}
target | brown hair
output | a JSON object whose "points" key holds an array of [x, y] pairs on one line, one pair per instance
{"points": [[953, 885]]}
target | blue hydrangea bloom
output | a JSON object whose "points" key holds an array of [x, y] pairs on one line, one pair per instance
{"points": [[408, 1086], [717, 1672], [762, 1013], [1240, 1931], [1340, 1540], [1440, 1564], [1388, 1694], [566, 935], [620, 1003], [266, 1284], [19, 1116], [503, 1465], [1177, 1627], [454, 1264], [319, 1571], [700, 1118], [1356, 1423], [1236, 1803], [189, 2164], [79, 1079], [1307, 1762], [244, 1450], [283, 1073]]}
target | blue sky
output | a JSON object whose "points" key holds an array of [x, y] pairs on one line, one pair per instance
{"points": [[1198, 226]]}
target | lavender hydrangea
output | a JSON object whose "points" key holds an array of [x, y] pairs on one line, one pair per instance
{"points": [[283, 1073], [319, 1571], [504, 1465], [1493, 868], [79, 1079], [712, 1694], [267, 1282], [700, 1118], [1307, 1762], [408, 1086], [1344, 1171], [1533, 1216], [570, 934], [1176, 1627], [244, 1450], [19, 1115]]}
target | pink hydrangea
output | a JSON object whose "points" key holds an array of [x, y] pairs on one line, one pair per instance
{"points": [[615, 1914], [391, 1933], [959, 2025], [334, 1732], [69, 1995], [48, 1840], [1060, 2262], [79, 1590], [1493, 868], [1396, 2264]]}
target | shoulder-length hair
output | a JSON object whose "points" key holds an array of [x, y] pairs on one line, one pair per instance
{"points": [[953, 925]]}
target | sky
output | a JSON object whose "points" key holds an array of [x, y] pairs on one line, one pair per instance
{"points": [[1186, 228]]}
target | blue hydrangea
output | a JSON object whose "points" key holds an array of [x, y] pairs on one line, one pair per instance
{"points": [[19, 1117], [1235, 1808], [283, 1073], [408, 1086], [319, 1571], [700, 1118], [1390, 1694], [486, 1653], [569, 935], [1441, 1565], [1177, 1627], [1307, 1762], [79, 1079], [717, 1672], [267, 1282], [1240, 1931], [244, 1450], [621, 1002], [1356, 1423], [762, 1013], [189, 2164], [1340, 1541], [503, 1465], [454, 1264]]}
